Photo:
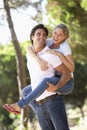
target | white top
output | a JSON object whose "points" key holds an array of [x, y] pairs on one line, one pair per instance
{"points": [[64, 47], [37, 75]]}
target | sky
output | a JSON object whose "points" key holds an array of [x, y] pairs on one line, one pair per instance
{"points": [[22, 24]]}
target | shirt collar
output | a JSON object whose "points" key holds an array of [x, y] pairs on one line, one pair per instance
{"points": [[43, 50]]}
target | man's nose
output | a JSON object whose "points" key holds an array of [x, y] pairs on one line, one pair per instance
{"points": [[42, 36]]}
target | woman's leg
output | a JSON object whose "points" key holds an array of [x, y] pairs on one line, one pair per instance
{"points": [[25, 91], [29, 95], [37, 91], [66, 89]]}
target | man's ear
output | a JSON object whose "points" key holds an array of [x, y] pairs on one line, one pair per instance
{"points": [[32, 37]]}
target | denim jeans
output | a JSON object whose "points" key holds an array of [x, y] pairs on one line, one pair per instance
{"points": [[25, 91], [52, 115], [66, 89]]}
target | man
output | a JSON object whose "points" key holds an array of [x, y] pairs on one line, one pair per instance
{"points": [[49, 107]]}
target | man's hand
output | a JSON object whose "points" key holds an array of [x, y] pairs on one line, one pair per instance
{"points": [[57, 53], [51, 87]]}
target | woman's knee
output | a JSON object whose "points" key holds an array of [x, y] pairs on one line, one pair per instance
{"points": [[25, 91]]}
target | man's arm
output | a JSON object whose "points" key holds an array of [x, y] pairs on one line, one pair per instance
{"points": [[67, 60], [65, 77]]}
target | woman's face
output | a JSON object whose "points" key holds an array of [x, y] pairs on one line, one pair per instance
{"points": [[58, 36]]}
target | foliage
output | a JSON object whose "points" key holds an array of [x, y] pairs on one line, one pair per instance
{"points": [[8, 121], [18, 3], [8, 79], [79, 94], [74, 14]]}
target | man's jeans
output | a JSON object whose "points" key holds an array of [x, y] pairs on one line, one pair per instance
{"points": [[51, 114], [31, 95]]}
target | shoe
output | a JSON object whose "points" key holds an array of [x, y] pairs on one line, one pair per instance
{"points": [[9, 108]]}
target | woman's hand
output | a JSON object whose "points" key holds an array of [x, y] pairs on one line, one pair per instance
{"points": [[42, 63], [29, 49]]}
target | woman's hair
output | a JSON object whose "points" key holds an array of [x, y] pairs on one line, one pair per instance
{"points": [[64, 28], [39, 26]]}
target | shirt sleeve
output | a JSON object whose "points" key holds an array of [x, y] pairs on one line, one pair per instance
{"points": [[49, 42], [65, 49]]}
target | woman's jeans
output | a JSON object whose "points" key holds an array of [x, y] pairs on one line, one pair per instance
{"points": [[31, 95]]}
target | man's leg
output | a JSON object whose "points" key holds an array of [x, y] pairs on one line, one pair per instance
{"points": [[44, 118], [39, 110], [56, 109]]}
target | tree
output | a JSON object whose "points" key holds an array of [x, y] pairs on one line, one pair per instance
{"points": [[21, 75]]}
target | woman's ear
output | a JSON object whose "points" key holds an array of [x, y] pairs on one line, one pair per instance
{"points": [[65, 37]]}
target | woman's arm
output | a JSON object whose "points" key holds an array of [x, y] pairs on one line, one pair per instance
{"points": [[67, 60], [42, 63]]}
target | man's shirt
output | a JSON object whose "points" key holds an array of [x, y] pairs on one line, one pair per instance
{"points": [[37, 75]]}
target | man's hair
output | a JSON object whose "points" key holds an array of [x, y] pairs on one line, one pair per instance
{"points": [[39, 26], [64, 28]]}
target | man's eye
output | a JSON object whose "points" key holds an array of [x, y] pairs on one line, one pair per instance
{"points": [[37, 34], [54, 32], [45, 35]]}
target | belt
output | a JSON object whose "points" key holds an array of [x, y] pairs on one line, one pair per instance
{"points": [[46, 99]]}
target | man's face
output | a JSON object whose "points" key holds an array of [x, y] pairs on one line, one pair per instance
{"points": [[39, 38]]}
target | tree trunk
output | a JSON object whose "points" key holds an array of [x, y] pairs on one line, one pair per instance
{"points": [[21, 75], [82, 112]]}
